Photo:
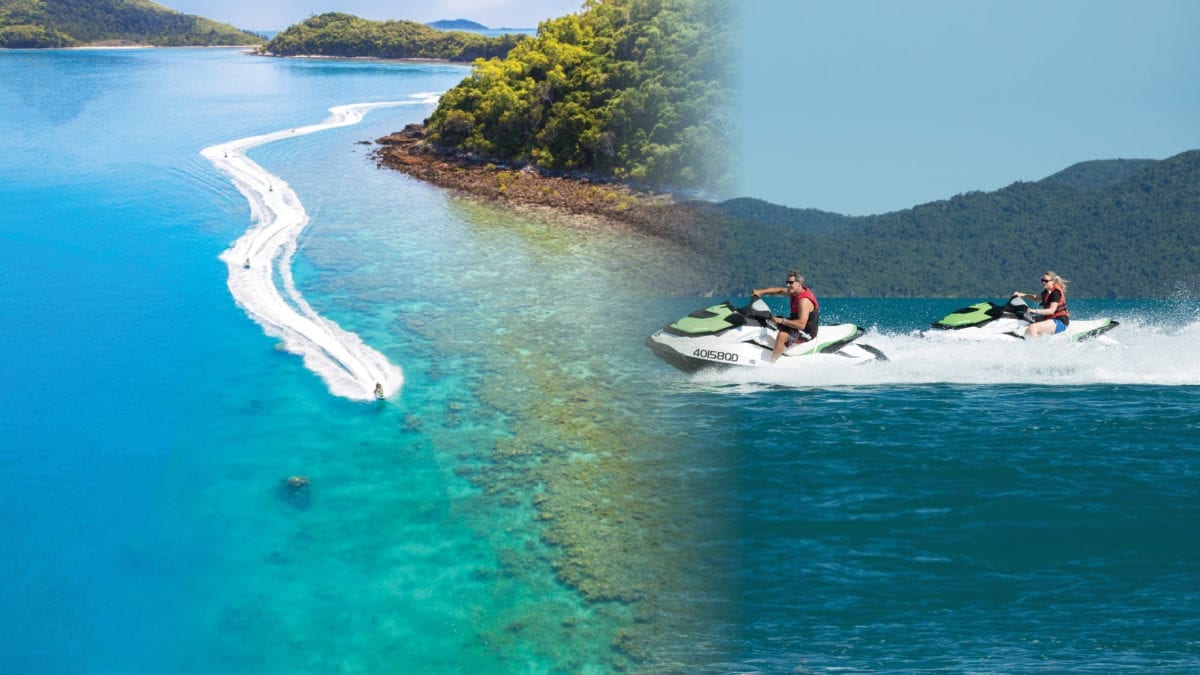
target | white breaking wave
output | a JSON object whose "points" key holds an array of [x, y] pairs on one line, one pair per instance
{"points": [[1138, 352], [349, 367]]}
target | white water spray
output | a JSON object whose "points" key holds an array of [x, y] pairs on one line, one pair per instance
{"points": [[1138, 352], [264, 253]]}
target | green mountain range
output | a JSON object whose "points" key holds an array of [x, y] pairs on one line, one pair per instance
{"points": [[37, 24], [1115, 228], [346, 35]]}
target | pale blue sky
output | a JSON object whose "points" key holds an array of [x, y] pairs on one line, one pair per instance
{"points": [[273, 15], [862, 107]]}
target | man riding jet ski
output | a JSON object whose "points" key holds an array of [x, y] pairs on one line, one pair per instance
{"points": [[724, 335], [990, 321]]}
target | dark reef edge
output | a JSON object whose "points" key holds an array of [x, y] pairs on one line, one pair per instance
{"points": [[656, 213]]}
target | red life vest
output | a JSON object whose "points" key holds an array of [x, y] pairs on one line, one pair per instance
{"points": [[813, 317], [1060, 312]]}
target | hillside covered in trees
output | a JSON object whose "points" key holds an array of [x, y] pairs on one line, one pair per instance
{"points": [[39, 24], [456, 24], [629, 89], [1115, 228], [346, 35]]}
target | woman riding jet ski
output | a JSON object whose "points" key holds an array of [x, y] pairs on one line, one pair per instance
{"points": [[724, 335], [989, 321]]}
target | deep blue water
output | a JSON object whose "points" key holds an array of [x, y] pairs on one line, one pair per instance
{"points": [[542, 494]]}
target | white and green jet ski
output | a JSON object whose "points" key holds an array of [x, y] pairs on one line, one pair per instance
{"points": [[724, 336], [990, 321]]}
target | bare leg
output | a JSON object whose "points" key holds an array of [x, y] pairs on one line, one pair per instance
{"points": [[781, 341], [1036, 330]]}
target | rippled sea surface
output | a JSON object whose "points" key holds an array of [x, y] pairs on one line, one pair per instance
{"points": [[542, 494]]}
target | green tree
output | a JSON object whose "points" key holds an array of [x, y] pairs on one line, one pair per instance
{"points": [[632, 89]]}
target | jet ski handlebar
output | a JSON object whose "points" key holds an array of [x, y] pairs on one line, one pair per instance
{"points": [[1017, 307], [758, 310]]}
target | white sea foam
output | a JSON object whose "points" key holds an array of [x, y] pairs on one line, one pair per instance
{"points": [[1138, 352], [265, 289]]}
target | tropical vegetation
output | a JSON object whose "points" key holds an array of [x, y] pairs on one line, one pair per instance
{"points": [[346, 35], [1115, 228], [638, 90], [38, 24]]}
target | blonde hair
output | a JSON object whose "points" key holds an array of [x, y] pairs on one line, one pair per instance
{"points": [[1062, 283]]}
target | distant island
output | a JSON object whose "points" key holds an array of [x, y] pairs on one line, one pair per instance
{"points": [[51, 24], [348, 36], [456, 24]]}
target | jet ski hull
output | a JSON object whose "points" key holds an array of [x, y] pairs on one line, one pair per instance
{"points": [[750, 345], [1010, 329], [989, 321]]}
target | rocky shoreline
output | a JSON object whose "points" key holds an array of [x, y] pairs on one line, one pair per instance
{"points": [[653, 213]]}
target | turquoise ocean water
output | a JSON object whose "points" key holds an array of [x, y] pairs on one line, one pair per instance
{"points": [[540, 494]]}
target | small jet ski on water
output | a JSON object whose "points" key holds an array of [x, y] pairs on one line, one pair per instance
{"points": [[990, 321], [725, 336]]}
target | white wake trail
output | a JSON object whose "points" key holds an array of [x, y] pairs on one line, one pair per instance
{"points": [[349, 367]]}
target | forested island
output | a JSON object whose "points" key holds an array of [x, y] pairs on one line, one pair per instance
{"points": [[47, 24], [1115, 228], [636, 90], [348, 36], [610, 111]]}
